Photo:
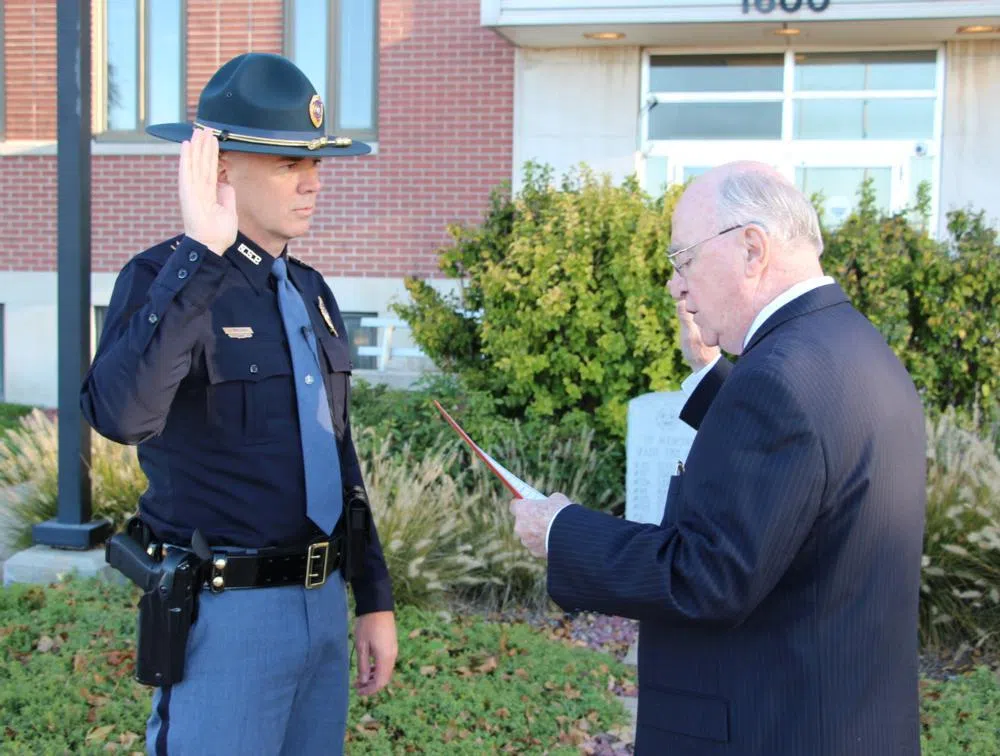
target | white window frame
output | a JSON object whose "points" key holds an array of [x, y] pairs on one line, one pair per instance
{"points": [[99, 64], [788, 153], [331, 97]]}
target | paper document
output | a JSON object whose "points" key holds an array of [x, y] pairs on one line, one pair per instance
{"points": [[514, 484]]}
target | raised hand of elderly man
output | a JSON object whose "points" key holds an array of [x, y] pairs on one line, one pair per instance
{"points": [[532, 519], [697, 354]]}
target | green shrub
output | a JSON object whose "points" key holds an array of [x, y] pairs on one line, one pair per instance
{"points": [[542, 450], [935, 302], [31, 458], [960, 591], [564, 308], [10, 414]]}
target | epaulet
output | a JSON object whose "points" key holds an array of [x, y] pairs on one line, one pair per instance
{"points": [[175, 242], [298, 262]]}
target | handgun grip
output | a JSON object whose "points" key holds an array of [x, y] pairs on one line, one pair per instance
{"points": [[128, 557]]}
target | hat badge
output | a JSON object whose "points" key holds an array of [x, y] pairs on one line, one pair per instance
{"points": [[316, 111]]}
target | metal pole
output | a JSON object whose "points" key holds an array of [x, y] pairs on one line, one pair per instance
{"points": [[73, 527]]}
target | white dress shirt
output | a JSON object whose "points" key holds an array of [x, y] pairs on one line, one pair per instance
{"points": [[689, 384]]}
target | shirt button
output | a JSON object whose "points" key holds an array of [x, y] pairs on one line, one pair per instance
{"points": [[182, 273], [153, 318], [253, 368], [309, 380], [193, 257]]}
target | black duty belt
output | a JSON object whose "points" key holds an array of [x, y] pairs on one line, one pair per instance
{"points": [[308, 566]]}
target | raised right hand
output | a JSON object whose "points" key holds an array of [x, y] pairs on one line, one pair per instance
{"points": [[697, 354], [207, 207]]}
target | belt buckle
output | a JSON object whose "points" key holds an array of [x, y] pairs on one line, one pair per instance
{"points": [[316, 575]]}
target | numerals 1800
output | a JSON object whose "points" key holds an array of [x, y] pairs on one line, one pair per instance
{"points": [[789, 6]]}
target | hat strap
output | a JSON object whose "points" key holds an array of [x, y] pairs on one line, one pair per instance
{"points": [[309, 144]]}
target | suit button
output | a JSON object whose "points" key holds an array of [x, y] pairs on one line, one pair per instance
{"points": [[193, 257], [253, 368], [182, 274], [153, 318]]}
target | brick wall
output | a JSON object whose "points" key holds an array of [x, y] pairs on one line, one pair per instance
{"points": [[30, 63], [445, 139]]}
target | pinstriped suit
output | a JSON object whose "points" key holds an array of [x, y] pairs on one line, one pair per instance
{"points": [[778, 597]]}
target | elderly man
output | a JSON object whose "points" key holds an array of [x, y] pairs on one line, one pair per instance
{"points": [[778, 597]]}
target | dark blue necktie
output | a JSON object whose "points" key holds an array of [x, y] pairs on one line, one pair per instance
{"points": [[324, 495]]}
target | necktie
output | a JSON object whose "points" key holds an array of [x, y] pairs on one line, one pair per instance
{"points": [[324, 494]]}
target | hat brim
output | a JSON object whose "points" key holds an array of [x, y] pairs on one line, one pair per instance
{"points": [[179, 132]]}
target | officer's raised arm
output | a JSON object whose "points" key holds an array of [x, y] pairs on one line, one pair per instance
{"points": [[158, 302]]}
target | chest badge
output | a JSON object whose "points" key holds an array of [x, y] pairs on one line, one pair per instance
{"points": [[249, 254], [326, 316], [238, 332]]}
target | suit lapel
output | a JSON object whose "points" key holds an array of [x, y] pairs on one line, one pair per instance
{"points": [[819, 298]]}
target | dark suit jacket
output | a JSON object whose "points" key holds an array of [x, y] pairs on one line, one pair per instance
{"points": [[778, 597]]}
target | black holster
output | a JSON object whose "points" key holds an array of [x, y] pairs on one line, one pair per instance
{"points": [[357, 531], [170, 580]]}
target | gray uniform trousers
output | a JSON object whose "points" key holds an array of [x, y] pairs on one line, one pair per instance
{"points": [[267, 672]]}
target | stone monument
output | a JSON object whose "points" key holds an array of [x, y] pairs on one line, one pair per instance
{"points": [[656, 440]]}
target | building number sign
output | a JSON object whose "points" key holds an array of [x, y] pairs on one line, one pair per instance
{"points": [[789, 6]]}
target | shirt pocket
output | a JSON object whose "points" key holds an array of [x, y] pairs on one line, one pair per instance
{"points": [[251, 393], [337, 369]]}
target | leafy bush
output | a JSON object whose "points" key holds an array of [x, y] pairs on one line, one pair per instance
{"points": [[935, 302], [31, 458], [539, 450], [10, 414], [961, 717], [960, 591], [462, 685], [564, 308]]}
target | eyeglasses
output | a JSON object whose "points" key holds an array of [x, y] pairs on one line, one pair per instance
{"points": [[672, 255]]}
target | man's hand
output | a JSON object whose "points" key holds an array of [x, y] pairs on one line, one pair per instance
{"points": [[208, 207], [375, 641], [696, 352], [532, 518]]}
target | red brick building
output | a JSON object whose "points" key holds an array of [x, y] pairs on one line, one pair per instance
{"points": [[455, 95], [442, 136]]}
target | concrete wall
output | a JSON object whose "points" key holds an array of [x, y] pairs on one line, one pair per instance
{"points": [[577, 105], [971, 144]]}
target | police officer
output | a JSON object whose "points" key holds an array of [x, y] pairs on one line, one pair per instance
{"points": [[226, 360]]}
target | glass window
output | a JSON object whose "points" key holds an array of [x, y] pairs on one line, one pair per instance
{"points": [[839, 188], [335, 42], [865, 71], [657, 178], [864, 119], [716, 73], [143, 63], [715, 120], [360, 336]]}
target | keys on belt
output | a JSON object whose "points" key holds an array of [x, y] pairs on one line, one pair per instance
{"points": [[270, 568]]}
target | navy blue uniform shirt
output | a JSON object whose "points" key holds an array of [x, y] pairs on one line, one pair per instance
{"points": [[193, 366]]}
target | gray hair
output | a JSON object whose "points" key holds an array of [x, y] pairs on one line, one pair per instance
{"points": [[769, 199]]}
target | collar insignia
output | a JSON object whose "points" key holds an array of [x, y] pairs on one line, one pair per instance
{"points": [[249, 254]]}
